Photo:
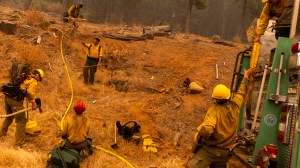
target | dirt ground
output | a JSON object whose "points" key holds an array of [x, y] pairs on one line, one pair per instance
{"points": [[142, 81]]}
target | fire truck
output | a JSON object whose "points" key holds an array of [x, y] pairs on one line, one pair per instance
{"points": [[268, 130]]}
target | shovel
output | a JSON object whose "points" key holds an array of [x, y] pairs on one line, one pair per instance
{"points": [[115, 145]]}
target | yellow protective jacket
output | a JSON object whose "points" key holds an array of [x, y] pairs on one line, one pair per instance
{"points": [[221, 120], [74, 11], [268, 12], [76, 128], [29, 85], [94, 51]]}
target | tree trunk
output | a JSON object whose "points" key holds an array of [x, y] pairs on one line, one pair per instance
{"points": [[222, 19], [174, 16], [156, 10], [188, 16], [242, 21], [157, 30], [64, 8], [123, 10], [113, 15], [27, 4], [107, 12]]}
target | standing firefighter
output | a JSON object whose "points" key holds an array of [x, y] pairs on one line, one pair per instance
{"points": [[14, 98], [94, 56], [76, 130], [281, 11], [219, 126]]}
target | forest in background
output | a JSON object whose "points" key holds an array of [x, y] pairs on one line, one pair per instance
{"points": [[226, 18]]}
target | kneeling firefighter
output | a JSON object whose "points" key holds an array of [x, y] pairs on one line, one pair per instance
{"points": [[14, 98], [76, 130]]}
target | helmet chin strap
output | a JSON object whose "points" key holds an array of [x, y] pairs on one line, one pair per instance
{"points": [[221, 101], [35, 77]]}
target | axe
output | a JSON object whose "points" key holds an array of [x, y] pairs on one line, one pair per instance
{"points": [[38, 103]]}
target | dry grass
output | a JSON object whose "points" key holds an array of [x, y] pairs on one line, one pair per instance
{"points": [[34, 55], [50, 7], [20, 158], [33, 17], [160, 115], [236, 39]]}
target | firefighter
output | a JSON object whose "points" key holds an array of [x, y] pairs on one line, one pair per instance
{"points": [[76, 130], [74, 10], [14, 103], [72, 13], [94, 56], [281, 11], [219, 126]]}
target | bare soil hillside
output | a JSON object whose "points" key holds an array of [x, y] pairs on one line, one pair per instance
{"points": [[142, 81]]}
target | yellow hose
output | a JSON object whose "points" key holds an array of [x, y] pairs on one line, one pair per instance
{"points": [[70, 81], [70, 103], [119, 157]]}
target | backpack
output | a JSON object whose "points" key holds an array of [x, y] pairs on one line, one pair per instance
{"points": [[61, 157], [18, 73], [127, 131]]}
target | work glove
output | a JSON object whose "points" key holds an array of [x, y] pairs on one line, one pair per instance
{"points": [[33, 105], [39, 104], [65, 136], [257, 39]]}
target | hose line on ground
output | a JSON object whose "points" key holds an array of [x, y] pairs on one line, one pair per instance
{"points": [[119, 157], [70, 81], [71, 100]]}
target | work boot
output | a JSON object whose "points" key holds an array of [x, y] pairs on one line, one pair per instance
{"points": [[89, 145], [90, 150], [18, 145], [84, 154]]}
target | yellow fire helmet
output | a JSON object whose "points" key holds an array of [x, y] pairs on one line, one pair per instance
{"points": [[221, 92], [40, 72], [264, 1], [32, 128]]}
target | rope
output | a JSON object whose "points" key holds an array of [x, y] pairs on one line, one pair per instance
{"points": [[71, 100]]}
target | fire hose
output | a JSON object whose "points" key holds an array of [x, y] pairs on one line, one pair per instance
{"points": [[72, 95]]}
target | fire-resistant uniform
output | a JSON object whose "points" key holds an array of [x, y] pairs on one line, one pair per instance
{"points": [[13, 104], [74, 11], [75, 131], [95, 54], [268, 12], [218, 131]]}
